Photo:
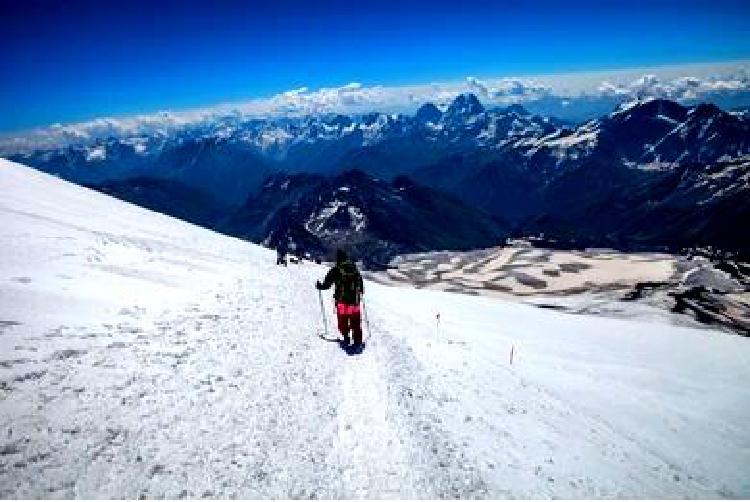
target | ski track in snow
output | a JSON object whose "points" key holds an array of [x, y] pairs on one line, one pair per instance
{"points": [[186, 364]]}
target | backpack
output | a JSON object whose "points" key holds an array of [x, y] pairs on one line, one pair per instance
{"points": [[347, 287]]}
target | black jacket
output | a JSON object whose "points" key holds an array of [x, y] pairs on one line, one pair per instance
{"points": [[334, 277]]}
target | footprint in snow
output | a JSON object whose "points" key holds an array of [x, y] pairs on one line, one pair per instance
{"points": [[9, 363], [8, 324], [66, 354]]}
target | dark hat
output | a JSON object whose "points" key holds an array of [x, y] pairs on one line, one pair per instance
{"points": [[340, 255]]}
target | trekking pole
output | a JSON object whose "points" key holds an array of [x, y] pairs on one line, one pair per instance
{"points": [[323, 313], [367, 318]]}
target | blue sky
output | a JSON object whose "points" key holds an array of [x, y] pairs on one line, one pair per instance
{"points": [[71, 61]]}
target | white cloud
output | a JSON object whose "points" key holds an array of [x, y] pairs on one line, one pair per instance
{"points": [[549, 93], [680, 88], [508, 89]]}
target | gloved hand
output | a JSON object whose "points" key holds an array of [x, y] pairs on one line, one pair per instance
{"points": [[318, 285]]}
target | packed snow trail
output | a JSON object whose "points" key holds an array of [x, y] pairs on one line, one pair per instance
{"points": [[145, 357]]}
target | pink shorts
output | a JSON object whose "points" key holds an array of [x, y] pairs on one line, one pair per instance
{"points": [[344, 309]]}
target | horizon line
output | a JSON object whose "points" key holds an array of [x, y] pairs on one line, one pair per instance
{"points": [[228, 106]]}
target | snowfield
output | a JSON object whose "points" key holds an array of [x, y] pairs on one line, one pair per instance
{"points": [[146, 357]]}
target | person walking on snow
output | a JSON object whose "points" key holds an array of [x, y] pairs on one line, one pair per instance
{"points": [[347, 294], [281, 254]]}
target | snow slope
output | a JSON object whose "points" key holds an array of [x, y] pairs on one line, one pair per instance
{"points": [[143, 356]]}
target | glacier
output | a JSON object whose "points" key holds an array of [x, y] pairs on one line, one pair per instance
{"points": [[146, 357]]}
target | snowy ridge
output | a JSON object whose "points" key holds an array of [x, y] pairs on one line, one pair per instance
{"points": [[143, 356], [289, 140], [463, 125]]}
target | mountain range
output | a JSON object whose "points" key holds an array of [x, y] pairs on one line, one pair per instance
{"points": [[372, 218], [651, 174]]}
